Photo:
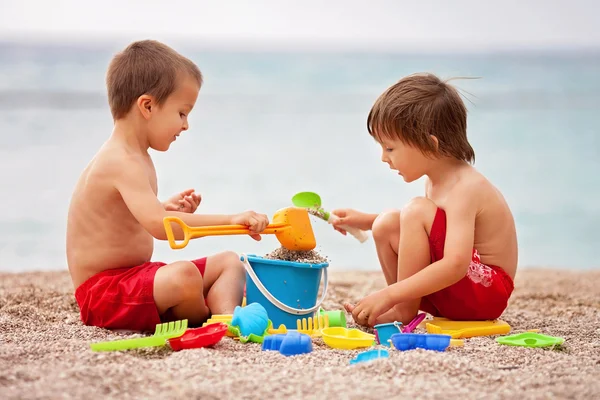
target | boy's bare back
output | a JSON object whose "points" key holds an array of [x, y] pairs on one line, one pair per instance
{"points": [[495, 235], [101, 231]]}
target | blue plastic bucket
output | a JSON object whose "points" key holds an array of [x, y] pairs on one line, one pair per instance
{"points": [[287, 290]]}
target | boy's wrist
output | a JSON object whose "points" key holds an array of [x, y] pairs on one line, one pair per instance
{"points": [[368, 220]]}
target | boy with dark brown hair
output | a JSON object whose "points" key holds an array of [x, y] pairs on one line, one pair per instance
{"points": [[114, 215], [453, 252]]}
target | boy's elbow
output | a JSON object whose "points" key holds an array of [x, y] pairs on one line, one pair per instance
{"points": [[459, 264], [156, 228]]}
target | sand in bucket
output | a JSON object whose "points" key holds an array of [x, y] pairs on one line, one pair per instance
{"points": [[309, 256]]}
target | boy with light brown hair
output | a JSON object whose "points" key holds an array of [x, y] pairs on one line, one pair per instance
{"points": [[114, 214], [453, 252]]}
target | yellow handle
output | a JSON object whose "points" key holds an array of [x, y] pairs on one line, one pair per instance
{"points": [[201, 231]]}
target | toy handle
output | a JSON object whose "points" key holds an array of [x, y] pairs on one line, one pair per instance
{"points": [[216, 230], [359, 234]]}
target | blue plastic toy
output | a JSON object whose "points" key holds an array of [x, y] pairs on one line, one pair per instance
{"points": [[383, 332], [273, 342], [250, 323], [409, 341], [370, 356], [289, 344]]}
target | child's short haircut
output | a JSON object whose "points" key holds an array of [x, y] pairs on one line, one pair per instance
{"points": [[145, 67], [418, 106]]}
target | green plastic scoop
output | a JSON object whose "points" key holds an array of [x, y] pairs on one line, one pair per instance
{"points": [[163, 332], [312, 202]]}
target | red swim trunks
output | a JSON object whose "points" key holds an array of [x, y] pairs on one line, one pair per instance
{"points": [[123, 298], [481, 295]]}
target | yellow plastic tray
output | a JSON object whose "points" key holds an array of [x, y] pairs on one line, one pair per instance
{"points": [[466, 329], [347, 339]]}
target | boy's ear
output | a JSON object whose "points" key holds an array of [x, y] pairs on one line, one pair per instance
{"points": [[436, 142], [145, 104]]}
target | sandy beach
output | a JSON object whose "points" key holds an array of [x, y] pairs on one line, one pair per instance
{"points": [[44, 352]]}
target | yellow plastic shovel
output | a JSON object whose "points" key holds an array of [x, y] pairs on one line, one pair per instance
{"points": [[291, 225]]}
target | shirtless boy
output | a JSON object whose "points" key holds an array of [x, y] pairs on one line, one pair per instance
{"points": [[453, 252], [114, 214]]}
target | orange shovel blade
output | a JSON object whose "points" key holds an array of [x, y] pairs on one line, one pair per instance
{"points": [[297, 232]]}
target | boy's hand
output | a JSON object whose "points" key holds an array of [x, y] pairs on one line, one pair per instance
{"points": [[186, 201], [256, 222], [366, 311], [350, 217]]}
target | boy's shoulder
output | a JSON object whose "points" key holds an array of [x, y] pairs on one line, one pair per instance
{"points": [[113, 160], [471, 188]]}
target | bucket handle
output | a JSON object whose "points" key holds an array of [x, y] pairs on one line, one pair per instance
{"points": [[272, 298]]}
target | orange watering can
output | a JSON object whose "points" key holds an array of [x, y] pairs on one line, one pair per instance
{"points": [[290, 225]]}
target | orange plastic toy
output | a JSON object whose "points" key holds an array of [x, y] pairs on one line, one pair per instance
{"points": [[291, 225]]}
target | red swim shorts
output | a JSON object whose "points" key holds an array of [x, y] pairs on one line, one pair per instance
{"points": [[123, 298], [481, 295]]}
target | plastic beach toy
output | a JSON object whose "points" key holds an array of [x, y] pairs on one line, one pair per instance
{"points": [[224, 318], [410, 341], [290, 225], [162, 333], [467, 329], [414, 323], [312, 202], [370, 355], [205, 336], [336, 317], [383, 332], [347, 339], [290, 344], [530, 339], [250, 323]]}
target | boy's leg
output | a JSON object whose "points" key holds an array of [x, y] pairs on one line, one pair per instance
{"points": [[413, 227], [386, 234], [179, 289], [414, 251], [224, 280]]}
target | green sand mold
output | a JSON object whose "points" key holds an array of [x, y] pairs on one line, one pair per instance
{"points": [[530, 339], [252, 337]]}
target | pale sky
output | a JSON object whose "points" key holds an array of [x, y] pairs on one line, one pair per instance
{"points": [[434, 24]]}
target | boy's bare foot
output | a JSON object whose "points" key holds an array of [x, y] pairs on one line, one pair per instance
{"points": [[392, 315]]}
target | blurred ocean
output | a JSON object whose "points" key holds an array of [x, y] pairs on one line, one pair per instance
{"points": [[268, 125]]}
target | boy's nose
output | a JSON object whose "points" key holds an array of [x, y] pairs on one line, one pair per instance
{"points": [[185, 126]]}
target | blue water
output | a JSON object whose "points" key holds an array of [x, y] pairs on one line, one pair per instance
{"points": [[268, 125]]}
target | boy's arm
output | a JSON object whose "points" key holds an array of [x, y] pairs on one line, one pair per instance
{"points": [[133, 185]]}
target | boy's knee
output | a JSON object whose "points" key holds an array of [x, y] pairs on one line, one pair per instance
{"points": [[186, 279], [386, 223], [231, 261], [419, 209]]}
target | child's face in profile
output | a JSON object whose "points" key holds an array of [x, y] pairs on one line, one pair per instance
{"points": [[171, 118], [409, 161]]}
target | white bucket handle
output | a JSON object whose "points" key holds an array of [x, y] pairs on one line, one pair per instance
{"points": [[272, 298]]}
